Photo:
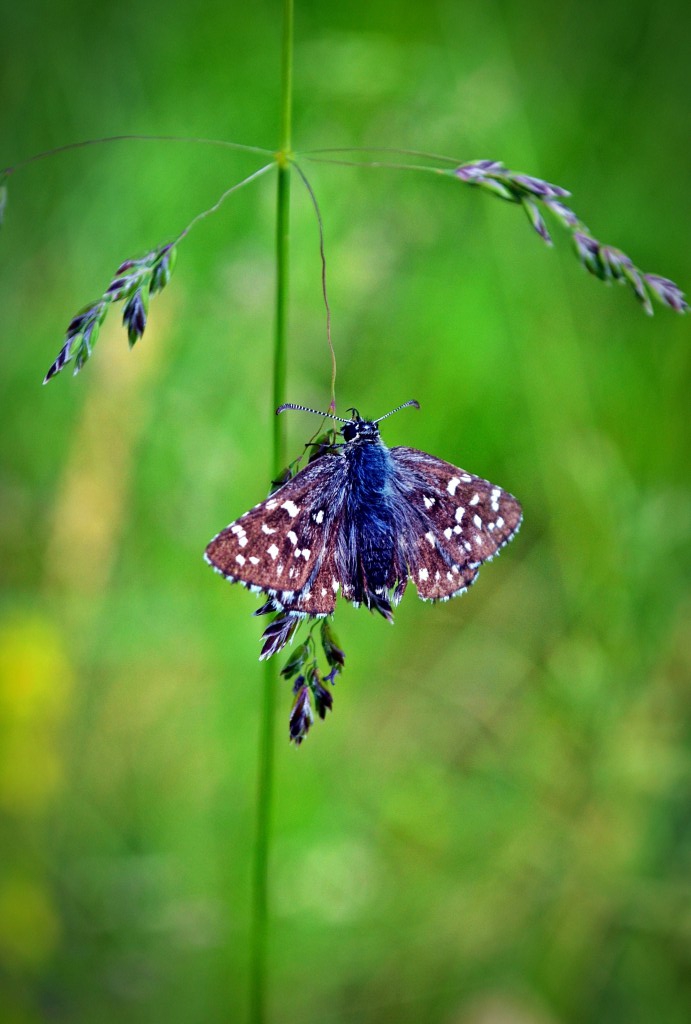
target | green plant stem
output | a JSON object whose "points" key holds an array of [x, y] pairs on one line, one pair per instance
{"points": [[322, 254], [133, 138], [380, 149], [280, 354], [260, 880], [265, 783], [376, 163], [222, 198]]}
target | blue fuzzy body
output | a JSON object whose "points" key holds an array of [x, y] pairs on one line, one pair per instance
{"points": [[369, 519]]}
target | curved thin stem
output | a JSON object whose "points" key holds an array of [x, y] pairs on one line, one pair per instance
{"points": [[222, 198], [280, 355], [376, 163], [381, 149], [133, 138], [322, 253]]}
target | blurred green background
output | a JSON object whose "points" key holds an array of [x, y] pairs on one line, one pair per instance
{"points": [[493, 827]]}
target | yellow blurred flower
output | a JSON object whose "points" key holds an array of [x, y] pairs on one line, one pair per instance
{"points": [[35, 677], [35, 688], [29, 927]]}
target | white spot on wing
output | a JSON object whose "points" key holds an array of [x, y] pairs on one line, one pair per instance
{"points": [[271, 504], [423, 574], [428, 501], [474, 500], [254, 560], [430, 537], [292, 537], [273, 551], [267, 529], [478, 522], [291, 508], [448, 533], [460, 512], [453, 484], [240, 559], [319, 516]]}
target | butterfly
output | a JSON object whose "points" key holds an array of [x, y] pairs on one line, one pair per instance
{"points": [[364, 520]]}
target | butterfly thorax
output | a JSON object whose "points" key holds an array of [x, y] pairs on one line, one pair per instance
{"points": [[369, 465]]}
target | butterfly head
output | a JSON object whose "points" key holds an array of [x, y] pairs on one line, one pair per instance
{"points": [[355, 429]]}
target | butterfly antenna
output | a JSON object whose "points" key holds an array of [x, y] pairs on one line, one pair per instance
{"points": [[304, 408], [416, 405]]}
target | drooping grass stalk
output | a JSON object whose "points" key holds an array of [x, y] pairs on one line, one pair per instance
{"points": [[265, 783], [135, 281], [241, 147], [380, 149], [322, 254], [375, 163], [280, 353], [221, 200], [534, 195]]}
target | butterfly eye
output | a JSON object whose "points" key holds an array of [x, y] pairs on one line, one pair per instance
{"points": [[350, 431]]}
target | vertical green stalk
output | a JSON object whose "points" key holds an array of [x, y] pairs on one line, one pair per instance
{"points": [[282, 210], [260, 881], [279, 374]]}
